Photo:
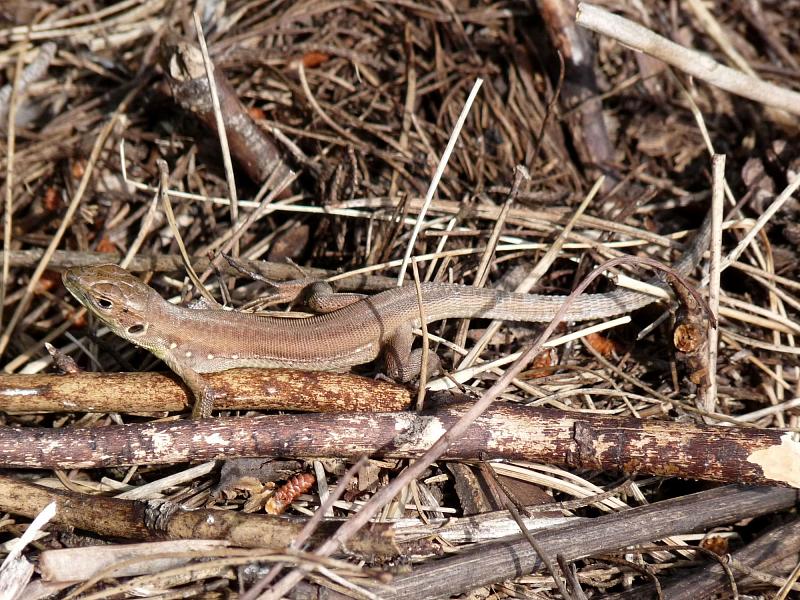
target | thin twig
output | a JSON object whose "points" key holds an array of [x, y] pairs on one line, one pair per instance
{"points": [[187, 262], [717, 208]]}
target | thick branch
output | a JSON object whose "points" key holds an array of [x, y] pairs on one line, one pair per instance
{"points": [[237, 389], [506, 560], [509, 431], [162, 519]]}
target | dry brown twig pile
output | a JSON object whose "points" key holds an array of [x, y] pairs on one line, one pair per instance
{"points": [[336, 115]]}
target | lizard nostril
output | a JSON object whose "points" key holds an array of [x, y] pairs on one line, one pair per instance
{"points": [[136, 329]]}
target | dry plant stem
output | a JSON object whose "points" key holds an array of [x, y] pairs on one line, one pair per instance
{"points": [[238, 389], [713, 29], [765, 577], [105, 132], [173, 225], [692, 62], [544, 556], [762, 220], [154, 519], [500, 561], [579, 441], [789, 584], [589, 133], [717, 209]]}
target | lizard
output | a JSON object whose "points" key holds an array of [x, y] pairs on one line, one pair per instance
{"points": [[351, 329]]}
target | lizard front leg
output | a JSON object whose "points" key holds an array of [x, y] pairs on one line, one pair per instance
{"points": [[203, 392]]}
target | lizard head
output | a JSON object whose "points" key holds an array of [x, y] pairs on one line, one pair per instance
{"points": [[116, 297]]}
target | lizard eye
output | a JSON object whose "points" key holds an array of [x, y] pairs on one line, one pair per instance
{"points": [[105, 304], [136, 329]]}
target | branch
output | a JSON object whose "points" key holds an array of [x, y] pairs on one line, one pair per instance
{"points": [[574, 440], [237, 389]]}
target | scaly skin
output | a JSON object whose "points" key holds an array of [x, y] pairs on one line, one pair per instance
{"points": [[358, 330]]}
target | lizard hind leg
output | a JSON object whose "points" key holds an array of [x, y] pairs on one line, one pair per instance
{"points": [[402, 363], [320, 298]]}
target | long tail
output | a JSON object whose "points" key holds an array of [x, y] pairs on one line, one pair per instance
{"points": [[444, 301]]}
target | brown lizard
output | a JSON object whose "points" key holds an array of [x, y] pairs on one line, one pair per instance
{"points": [[352, 330]]}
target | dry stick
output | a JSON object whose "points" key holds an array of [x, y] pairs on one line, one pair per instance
{"points": [[223, 136], [239, 389], [488, 564], [717, 208], [148, 220], [437, 176], [789, 583], [507, 431], [537, 144], [510, 503], [186, 76], [692, 62], [410, 101], [712, 28], [143, 519], [537, 547], [66, 221], [438, 448]]}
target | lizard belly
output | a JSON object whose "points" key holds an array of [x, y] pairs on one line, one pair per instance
{"points": [[214, 361]]}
